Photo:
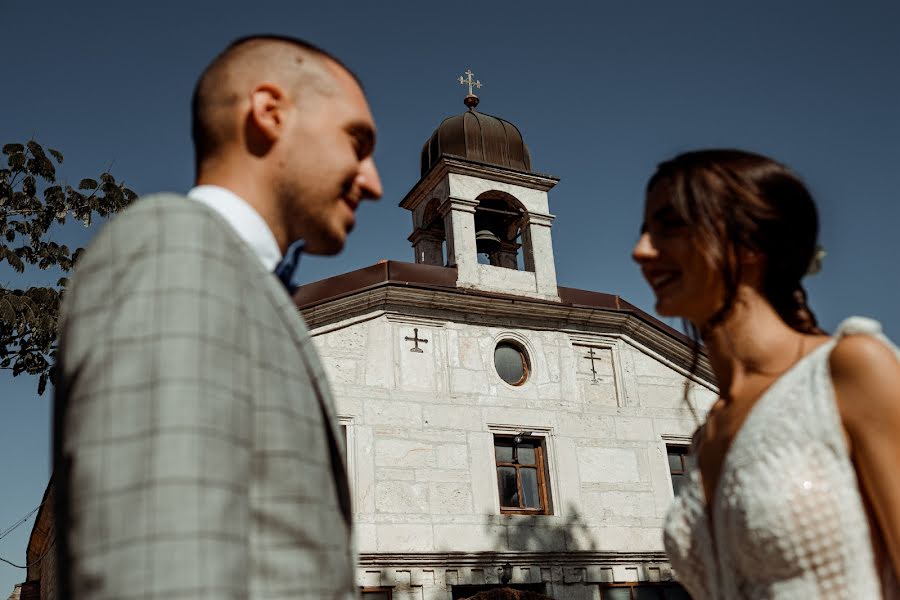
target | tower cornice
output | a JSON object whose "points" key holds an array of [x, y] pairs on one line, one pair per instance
{"points": [[461, 166]]}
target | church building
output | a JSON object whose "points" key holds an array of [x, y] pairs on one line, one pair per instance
{"points": [[501, 430]]}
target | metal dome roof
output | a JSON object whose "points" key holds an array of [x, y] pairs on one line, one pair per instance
{"points": [[479, 137]]}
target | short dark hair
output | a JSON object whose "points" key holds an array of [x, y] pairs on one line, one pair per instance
{"points": [[203, 132]]}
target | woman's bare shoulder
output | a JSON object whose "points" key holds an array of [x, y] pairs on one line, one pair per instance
{"points": [[865, 372]]}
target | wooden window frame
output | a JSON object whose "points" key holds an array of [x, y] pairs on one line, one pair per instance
{"points": [[540, 465], [523, 354], [661, 586], [465, 591], [348, 428], [682, 451]]}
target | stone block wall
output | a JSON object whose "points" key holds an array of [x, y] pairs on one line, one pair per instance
{"points": [[421, 427]]}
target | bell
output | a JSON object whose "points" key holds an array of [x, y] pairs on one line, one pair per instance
{"points": [[486, 241]]}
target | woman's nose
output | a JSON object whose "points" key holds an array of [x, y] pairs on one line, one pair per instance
{"points": [[643, 250]]}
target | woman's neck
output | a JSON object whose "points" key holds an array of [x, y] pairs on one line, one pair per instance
{"points": [[751, 340]]}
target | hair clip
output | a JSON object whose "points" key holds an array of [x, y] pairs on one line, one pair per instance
{"points": [[815, 265]]}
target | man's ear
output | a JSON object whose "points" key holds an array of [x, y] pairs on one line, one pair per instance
{"points": [[267, 111]]}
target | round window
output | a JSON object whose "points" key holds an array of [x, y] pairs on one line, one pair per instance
{"points": [[511, 363]]}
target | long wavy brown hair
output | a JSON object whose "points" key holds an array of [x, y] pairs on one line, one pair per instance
{"points": [[732, 200]]}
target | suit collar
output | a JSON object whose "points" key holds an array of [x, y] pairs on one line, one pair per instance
{"points": [[243, 219]]}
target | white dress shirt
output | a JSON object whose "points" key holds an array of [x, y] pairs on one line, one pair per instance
{"points": [[247, 223]]}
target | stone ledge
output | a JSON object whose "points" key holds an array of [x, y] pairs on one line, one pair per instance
{"points": [[458, 559], [455, 304]]}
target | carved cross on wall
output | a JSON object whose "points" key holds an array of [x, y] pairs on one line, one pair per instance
{"points": [[415, 338], [590, 355]]}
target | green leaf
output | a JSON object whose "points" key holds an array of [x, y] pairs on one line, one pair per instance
{"points": [[13, 148], [29, 186], [7, 312], [56, 154], [15, 262], [88, 184], [17, 160]]}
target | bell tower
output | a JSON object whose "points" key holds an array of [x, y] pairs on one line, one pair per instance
{"points": [[479, 207]]}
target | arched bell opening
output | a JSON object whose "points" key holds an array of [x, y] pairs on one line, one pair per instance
{"points": [[429, 238], [499, 219]]}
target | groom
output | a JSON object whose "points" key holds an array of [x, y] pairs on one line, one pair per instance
{"points": [[196, 451]]}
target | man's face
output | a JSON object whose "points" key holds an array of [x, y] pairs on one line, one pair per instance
{"points": [[326, 167]]}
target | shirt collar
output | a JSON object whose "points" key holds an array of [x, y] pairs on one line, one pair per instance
{"points": [[243, 218]]}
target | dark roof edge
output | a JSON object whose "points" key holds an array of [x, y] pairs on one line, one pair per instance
{"points": [[390, 272], [482, 163], [42, 533]]}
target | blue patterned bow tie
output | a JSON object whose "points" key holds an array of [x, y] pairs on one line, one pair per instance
{"points": [[286, 270]]}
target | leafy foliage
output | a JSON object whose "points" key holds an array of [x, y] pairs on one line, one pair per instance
{"points": [[28, 318]]}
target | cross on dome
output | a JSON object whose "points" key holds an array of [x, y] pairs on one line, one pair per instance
{"points": [[471, 99]]}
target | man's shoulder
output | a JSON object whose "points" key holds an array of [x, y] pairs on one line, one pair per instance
{"points": [[166, 226], [163, 207], [165, 218]]}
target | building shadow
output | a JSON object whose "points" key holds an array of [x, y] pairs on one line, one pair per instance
{"points": [[566, 532]]}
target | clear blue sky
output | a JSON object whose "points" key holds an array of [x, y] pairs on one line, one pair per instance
{"points": [[602, 91]]}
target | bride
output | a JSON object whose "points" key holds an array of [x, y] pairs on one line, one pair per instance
{"points": [[793, 489]]}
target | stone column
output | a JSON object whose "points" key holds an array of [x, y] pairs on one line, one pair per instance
{"points": [[459, 229], [428, 246], [539, 252]]}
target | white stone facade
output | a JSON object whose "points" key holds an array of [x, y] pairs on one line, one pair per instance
{"points": [[411, 361], [421, 429]]}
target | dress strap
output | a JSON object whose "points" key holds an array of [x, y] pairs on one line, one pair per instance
{"points": [[864, 326], [855, 325]]}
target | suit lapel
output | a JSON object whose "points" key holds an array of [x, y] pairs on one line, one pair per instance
{"points": [[294, 324], [296, 328]]}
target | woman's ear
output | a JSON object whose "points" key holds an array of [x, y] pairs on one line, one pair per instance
{"points": [[748, 257], [752, 265]]}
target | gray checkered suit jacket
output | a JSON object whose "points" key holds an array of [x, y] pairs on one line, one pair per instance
{"points": [[197, 455]]}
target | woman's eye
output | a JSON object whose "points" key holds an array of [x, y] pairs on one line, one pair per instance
{"points": [[666, 227], [673, 224]]}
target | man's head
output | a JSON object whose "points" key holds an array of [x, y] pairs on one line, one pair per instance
{"points": [[287, 127]]}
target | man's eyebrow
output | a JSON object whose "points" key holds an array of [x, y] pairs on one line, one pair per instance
{"points": [[365, 137]]}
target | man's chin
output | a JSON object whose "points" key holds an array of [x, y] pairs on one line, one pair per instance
{"points": [[324, 247]]}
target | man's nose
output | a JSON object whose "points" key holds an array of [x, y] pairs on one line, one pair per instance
{"points": [[369, 181], [643, 250]]}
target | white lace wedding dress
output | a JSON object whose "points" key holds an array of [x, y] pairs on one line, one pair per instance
{"points": [[788, 516]]}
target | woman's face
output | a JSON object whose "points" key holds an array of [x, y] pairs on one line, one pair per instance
{"points": [[684, 284]]}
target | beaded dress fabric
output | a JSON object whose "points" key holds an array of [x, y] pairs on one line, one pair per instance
{"points": [[788, 520]]}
